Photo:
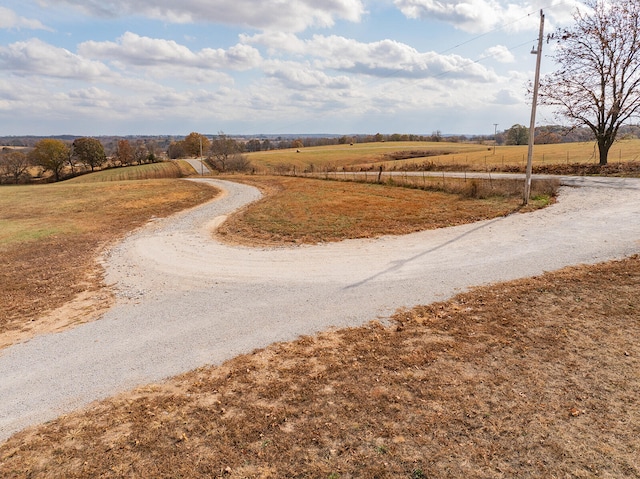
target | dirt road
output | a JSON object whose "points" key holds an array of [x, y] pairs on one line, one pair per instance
{"points": [[185, 300]]}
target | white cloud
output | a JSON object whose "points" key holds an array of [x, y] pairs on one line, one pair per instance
{"points": [[385, 58], [92, 98], [277, 42], [478, 16], [35, 57], [276, 15], [301, 77], [9, 20], [132, 49], [500, 53], [506, 97], [469, 15]]}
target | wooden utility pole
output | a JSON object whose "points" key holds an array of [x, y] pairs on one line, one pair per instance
{"points": [[532, 127], [201, 160]]}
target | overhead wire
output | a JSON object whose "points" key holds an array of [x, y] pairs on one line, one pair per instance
{"points": [[394, 73]]}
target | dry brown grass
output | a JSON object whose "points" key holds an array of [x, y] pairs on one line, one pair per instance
{"points": [[308, 210], [52, 234], [534, 378], [563, 157]]}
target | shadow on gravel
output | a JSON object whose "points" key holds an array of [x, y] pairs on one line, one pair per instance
{"points": [[401, 263]]}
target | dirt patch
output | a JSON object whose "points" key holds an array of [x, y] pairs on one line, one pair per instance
{"points": [[535, 378], [86, 306]]}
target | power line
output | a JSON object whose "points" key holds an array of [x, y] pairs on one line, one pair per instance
{"points": [[394, 73]]}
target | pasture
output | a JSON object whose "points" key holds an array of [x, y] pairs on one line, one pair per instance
{"points": [[442, 155]]}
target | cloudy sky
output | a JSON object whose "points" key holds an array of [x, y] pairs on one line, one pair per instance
{"points": [[100, 67]]}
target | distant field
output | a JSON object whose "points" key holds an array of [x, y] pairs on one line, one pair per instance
{"points": [[462, 155], [360, 154]]}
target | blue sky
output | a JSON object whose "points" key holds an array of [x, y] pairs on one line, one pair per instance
{"points": [[117, 67]]}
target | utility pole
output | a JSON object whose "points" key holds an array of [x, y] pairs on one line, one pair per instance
{"points": [[495, 134], [534, 104], [201, 161]]}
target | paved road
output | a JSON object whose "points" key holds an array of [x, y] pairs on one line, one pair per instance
{"points": [[199, 166], [187, 301]]}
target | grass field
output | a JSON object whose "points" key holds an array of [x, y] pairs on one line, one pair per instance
{"points": [[460, 156], [307, 210]]}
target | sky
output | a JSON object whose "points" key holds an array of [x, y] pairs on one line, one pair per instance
{"points": [[162, 67]]}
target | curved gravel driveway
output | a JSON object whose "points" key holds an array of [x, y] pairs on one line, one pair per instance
{"points": [[186, 301]]}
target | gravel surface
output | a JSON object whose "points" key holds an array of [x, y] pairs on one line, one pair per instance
{"points": [[186, 301]]}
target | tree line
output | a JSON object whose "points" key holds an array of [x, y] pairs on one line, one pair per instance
{"points": [[64, 159]]}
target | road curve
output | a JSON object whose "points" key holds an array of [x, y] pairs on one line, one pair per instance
{"points": [[185, 300]]}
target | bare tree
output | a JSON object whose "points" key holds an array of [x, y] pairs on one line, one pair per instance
{"points": [[140, 152], [15, 164], [224, 151], [597, 83]]}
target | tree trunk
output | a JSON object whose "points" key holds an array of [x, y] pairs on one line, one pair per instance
{"points": [[603, 149]]}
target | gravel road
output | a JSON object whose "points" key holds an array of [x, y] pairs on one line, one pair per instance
{"points": [[185, 300]]}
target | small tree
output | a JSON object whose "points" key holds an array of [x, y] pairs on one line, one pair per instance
{"points": [[436, 136], [194, 143], [51, 155], [15, 164], [89, 152], [254, 145], [140, 152], [517, 135], [223, 150], [597, 83], [124, 154], [152, 152], [239, 163], [176, 150]]}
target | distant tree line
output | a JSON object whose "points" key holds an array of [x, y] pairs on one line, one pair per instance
{"points": [[66, 156], [551, 134]]}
